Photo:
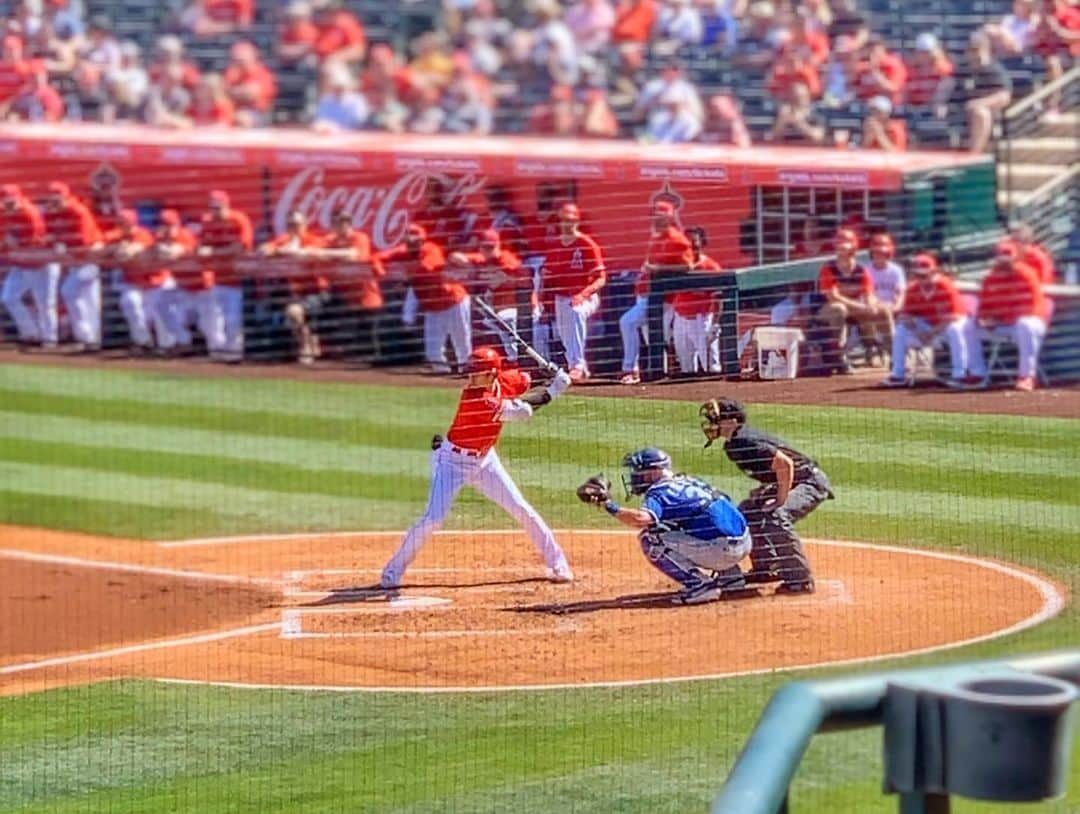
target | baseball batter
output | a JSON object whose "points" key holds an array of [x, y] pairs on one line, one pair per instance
{"points": [[494, 394], [689, 531], [791, 486], [573, 275], [21, 227]]}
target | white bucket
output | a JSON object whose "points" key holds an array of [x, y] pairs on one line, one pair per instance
{"points": [[778, 352]]}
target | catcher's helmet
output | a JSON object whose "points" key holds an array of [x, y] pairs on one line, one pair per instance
{"points": [[483, 359], [640, 462]]}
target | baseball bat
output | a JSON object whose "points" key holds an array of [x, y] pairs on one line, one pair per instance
{"points": [[550, 367]]}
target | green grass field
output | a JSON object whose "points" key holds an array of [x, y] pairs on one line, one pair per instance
{"points": [[161, 457]]}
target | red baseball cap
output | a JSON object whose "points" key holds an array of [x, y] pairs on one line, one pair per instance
{"points": [[219, 196], [569, 211], [170, 217]]}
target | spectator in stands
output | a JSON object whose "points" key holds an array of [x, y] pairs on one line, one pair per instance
{"points": [[308, 292], [842, 73], [848, 290], [797, 122], [720, 22], [99, 56], [882, 74], [677, 25], [467, 100], [56, 43], [426, 113], [341, 106], [880, 130], [809, 45], [127, 85], [485, 24], [931, 79], [591, 21], [14, 69], [724, 123], [168, 102], [210, 104], [1031, 253], [226, 234], [217, 18], [554, 50], [756, 47], [634, 21], [932, 308], [1057, 41], [485, 55], [988, 90], [357, 293], [889, 284], [340, 38], [296, 37], [597, 120], [386, 112], [629, 79], [670, 84], [1015, 34], [819, 15], [1012, 306], [250, 85], [169, 52], [38, 101], [848, 21], [431, 66], [673, 121], [385, 72], [556, 117], [789, 70]]}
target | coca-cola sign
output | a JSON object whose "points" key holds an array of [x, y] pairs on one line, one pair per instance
{"points": [[382, 211]]}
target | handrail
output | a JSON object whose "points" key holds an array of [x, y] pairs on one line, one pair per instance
{"points": [[1042, 93], [762, 774]]}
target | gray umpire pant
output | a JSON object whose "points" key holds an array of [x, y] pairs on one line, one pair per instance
{"points": [[778, 551]]}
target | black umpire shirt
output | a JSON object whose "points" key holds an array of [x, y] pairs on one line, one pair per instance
{"points": [[753, 451]]}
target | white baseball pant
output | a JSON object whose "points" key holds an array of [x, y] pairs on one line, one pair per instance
{"points": [[45, 291], [963, 339], [1027, 333], [694, 345], [572, 323], [632, 324], [142, 309], [81, 293], [230, 299], [176, 311], [452, 322], [450, 471], [17, 286]]}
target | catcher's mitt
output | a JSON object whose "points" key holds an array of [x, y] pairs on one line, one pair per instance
{"points": [[596, 491]]}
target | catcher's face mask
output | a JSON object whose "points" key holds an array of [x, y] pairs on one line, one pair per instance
{"points": [[645, 466]]}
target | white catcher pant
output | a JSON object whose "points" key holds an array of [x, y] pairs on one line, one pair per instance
{"points": [[1027, 333], [632, 325], [452, 322], [572, 324], [964, 353], [17, 287], [81, 292], [695, 347], [450, 471]]}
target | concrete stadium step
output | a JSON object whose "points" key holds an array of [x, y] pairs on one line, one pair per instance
{"points": [[1067, 125], [1026, 177], [1057, 150]]}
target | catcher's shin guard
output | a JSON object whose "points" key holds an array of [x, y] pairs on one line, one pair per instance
{"points": [[669, 563]]}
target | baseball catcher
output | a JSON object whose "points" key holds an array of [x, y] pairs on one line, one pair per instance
{"points": [[689, 531], [791, 486]]}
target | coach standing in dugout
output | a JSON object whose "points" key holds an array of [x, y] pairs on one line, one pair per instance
{"points": [[225, 235], [791, 486]]}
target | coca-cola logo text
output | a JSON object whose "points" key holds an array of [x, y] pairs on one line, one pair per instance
{"points": [[381, 211]]}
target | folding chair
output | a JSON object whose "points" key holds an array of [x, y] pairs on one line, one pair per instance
{"points": [[996, 364]]}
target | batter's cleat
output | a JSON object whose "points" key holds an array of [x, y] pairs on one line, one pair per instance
{"points": [[561, 575], [805, 586], [892, 381]]}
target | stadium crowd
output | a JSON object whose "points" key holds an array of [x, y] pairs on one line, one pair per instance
{"points": [[466, 272], [658, 70]]}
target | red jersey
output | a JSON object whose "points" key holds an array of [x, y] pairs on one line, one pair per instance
{"points": [[667, 248], [570, 268], [1006, 296], [235, 227], [73, 226], [232, 12], [858, 285], [938, 303], [426, 272], [538, 232], [135, 273], [12, 78], [361, 291], [893, 69], [923, 81], [691, 304], [896, 130], [342, 31], [1038, 259], [477, 423], [503, 277], [303, 284], [260, 76], [22, 227]]}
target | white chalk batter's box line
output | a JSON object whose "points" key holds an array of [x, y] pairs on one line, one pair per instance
{"points": [[292, 624]]}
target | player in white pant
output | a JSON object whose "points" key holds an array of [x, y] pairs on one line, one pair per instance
{"points": [[696, 328], [124, 247], [70, 230], [467, 456], [498, 272], [932, 308], [226, 234], [173, 308], [573, 275], [668, 252], [21, 227]]}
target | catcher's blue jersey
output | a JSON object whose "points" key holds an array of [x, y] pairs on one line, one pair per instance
{"points": [[693, 506]]}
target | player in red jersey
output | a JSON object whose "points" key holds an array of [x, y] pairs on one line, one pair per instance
{"points": [[22, 227], [493, 395]]}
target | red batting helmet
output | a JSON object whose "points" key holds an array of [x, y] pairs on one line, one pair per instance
{"points": [[569, 211], [483, 359]]}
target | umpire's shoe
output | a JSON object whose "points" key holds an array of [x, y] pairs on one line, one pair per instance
{"points": [[803, 586]]}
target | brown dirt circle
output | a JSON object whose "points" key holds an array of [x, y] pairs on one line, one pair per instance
{"points": [[476, 612]]}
